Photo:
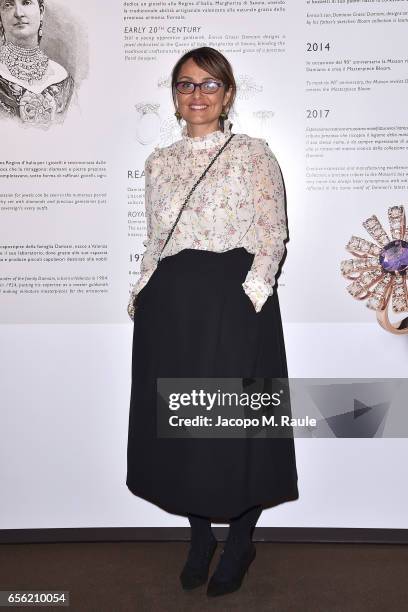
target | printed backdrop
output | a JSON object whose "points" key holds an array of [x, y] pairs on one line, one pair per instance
{"points": [[325, 83]]}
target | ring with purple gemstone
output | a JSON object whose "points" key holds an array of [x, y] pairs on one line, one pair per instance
{"points": [[379, 271]]}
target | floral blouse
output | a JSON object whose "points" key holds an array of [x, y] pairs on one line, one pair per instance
{"points": [[238, 203]]}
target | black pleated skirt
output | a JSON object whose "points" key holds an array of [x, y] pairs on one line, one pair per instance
{"points": [[194, 320]]}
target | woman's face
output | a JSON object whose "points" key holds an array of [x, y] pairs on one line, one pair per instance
{"points": [[213, 103], [20, 20]]}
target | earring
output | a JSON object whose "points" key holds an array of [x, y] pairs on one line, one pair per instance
{"points": [[178, 115], [224, 115], [40, 31]]}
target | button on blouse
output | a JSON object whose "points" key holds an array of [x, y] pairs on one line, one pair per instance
{"points": [[238, 203]]}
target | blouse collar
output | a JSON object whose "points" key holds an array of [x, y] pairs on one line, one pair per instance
{"points": [[208, 140]]}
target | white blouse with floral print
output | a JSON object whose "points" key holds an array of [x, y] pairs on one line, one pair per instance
{"points": [[238, 203]]}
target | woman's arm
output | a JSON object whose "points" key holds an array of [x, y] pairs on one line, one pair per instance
{"points": [[270, 225]]}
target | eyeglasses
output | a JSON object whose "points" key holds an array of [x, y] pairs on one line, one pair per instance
{"points": [[208, 87]]}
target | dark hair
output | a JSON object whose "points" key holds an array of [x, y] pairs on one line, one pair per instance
{"points": [[41, 3], [216, 64]]}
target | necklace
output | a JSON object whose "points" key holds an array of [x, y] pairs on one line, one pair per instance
{"points": [[25, 63]]}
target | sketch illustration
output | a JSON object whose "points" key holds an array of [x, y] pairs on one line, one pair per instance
{"points": [[34, 89]]}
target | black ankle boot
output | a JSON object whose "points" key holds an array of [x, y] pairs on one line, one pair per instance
{"points": [[195, 570], [232, 566]]}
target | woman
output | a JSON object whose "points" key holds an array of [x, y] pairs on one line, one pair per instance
{"points": [[209, 308], [33, 88]]}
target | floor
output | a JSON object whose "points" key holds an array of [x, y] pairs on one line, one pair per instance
{"points": [[143, 576]]}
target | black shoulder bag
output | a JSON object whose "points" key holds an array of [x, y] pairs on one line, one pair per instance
{"points": [[192, 189], [132, 310]]}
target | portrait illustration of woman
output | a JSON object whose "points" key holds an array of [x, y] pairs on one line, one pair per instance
{"points": [[33, 88]]}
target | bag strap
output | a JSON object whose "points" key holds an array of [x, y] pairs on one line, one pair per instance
{"points": [[192, 189]]}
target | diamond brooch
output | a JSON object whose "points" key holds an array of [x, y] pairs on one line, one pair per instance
{"points": [[379, 270]]}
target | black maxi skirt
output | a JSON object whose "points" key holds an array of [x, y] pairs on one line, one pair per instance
{"points": [[194, 320]]}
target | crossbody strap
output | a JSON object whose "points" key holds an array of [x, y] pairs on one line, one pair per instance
{"points": [[192, 189]]}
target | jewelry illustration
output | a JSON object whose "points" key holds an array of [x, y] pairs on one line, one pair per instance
{"points": [[148, 122], [264, 117], [379, 271], [247, 87], [27, 64]]}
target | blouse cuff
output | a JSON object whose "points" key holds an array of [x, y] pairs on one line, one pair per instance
{"points": [[257, 290], [143, 280]]}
